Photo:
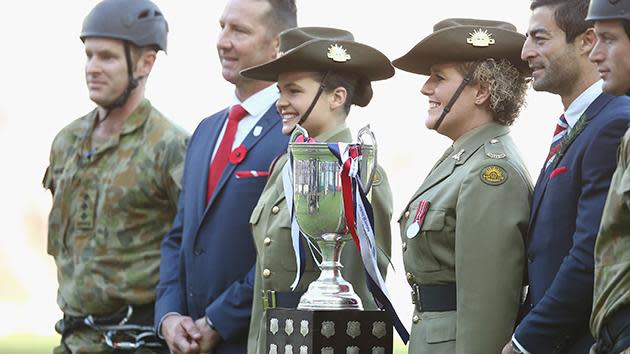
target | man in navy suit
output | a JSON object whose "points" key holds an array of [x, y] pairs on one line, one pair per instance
{"points": [[571, 190], [204, 296]]}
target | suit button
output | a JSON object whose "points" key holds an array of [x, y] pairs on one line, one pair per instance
{"points": [[416, 318], [530, 260], [275, 209], [407, 214], [266, 273], [404, 246], [197, 251], [267, 241]]}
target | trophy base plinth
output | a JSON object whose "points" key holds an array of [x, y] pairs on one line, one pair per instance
{"points": [[328, 332], [326, 295]]}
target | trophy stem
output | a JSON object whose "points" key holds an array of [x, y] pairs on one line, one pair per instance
{"points": [[330, 291]]}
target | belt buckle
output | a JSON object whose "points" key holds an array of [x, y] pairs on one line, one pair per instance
{"points": [[415, 297], [269, 299]]}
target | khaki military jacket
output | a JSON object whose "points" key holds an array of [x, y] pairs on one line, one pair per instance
{"points": [[612, 248], [112, 205], [472, 235], [275, 264]]}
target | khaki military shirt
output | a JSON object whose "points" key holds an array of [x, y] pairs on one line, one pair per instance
{"points": [[472, 235], [612, 248], [112, 204], [275, 263]]}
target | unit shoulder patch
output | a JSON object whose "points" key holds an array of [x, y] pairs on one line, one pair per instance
{"points": [[493, 175]]}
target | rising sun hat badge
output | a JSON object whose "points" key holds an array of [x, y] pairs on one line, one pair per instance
{"points": [[480, 38], [338, 53]]}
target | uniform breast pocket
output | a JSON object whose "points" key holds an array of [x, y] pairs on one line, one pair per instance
{"points": [[424, 245]]}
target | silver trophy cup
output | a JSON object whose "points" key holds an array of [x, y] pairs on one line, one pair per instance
{"points": [[318, 202]]}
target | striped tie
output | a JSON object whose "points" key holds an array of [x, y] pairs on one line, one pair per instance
{"points": [[556, 142]]}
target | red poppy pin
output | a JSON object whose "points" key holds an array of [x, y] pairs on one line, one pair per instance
{"points": [[238, 155]]}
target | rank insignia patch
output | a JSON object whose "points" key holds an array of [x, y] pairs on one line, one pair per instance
{"points": [[493, 175]]}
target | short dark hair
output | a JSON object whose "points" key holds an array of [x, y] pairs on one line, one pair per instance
{"points": [[570, 15], [335, 79], [283, 14]]}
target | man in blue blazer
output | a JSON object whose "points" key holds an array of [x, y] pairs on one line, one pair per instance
{"points": [[571, 190], [204, 296]]}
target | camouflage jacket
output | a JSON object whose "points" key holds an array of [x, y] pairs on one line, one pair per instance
{"points": [[612, 259], [112, 204]]}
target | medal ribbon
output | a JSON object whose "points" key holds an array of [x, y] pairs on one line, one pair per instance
{"points": [[298, 248], [421, 212]]}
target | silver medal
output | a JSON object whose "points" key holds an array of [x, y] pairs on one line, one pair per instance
{"points": [[413, 229]]}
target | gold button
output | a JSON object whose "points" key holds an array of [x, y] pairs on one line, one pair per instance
{"points": [[404, 246], [494, 141], [275, 209], [266, 273], [406, 214], [267, 241], [409, 276], [416, 318]]}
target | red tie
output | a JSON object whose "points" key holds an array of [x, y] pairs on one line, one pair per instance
{"points": [[237, 112]]}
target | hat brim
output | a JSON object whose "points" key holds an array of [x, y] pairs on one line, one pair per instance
{"points": [[450, 45], [364, 61]]}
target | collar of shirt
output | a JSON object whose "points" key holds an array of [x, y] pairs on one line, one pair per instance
{"points": [[133, 122], [256, 106], [577, 108]]}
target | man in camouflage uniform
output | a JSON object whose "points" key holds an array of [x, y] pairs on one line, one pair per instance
{"points": [[115, 178], [610, 319]]}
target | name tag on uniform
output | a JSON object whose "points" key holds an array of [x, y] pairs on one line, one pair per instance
{"points": [[87, 209], [414, 228]]}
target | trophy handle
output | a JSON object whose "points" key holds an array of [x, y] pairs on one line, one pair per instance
{"points": [[297, 132], [363, 132]]}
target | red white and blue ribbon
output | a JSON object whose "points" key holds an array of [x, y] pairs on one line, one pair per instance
{"points": [[298, 247], [360, 222]]}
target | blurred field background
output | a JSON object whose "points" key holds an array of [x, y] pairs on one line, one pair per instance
{"points": [[42, 89]]}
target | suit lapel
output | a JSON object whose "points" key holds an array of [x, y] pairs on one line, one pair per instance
{"points": [[212, 135], [541, 185], [266, 123]]}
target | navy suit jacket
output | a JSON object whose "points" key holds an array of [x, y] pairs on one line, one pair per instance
{"points": [[208, 257], [566, 210]]}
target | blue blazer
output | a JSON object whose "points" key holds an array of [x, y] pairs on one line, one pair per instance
{"points": [[566, 210], [208, 257]]}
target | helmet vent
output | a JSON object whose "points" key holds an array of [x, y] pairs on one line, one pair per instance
{"points": [[158, 14], [144, 14]]}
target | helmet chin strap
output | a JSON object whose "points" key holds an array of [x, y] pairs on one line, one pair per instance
{"points": [[132, 83], [322, 87], [453, 99]]}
